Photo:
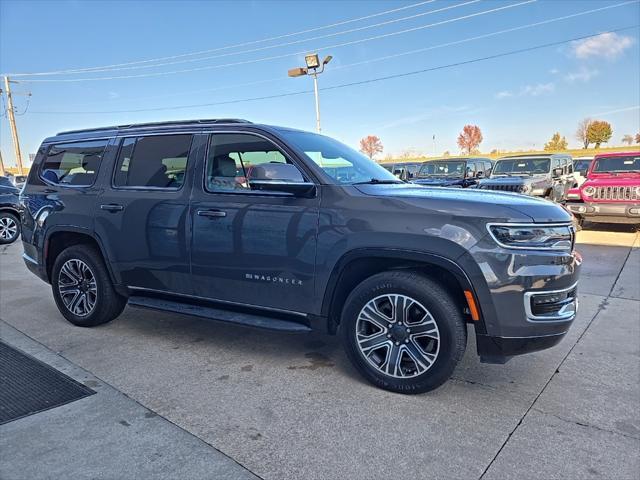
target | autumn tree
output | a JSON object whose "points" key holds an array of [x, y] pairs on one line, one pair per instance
{"points": [[370, 146], [638, 137], [581, 132], [470, 138], [556, 143], [598, 132], [628, 139]]}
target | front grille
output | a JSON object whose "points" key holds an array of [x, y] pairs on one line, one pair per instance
{"points": [[504, 188], [616, 193], [551, 305]]}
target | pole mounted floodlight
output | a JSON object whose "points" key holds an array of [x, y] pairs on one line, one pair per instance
{"points": [[313, 68]]}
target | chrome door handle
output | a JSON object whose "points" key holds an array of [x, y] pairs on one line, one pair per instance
{"points": [[211, 213], [112, 207]]}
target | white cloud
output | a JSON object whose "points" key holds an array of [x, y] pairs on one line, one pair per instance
{"points": [[583, 75], [554, 71], [607, 45], [528, 91], [114, 95]]}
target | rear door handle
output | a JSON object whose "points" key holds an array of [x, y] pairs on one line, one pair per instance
{"points": [[211, 213], [112, 207]]}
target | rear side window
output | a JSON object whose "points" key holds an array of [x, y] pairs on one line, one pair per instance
{"points": [[152, 162], [73, 163]]}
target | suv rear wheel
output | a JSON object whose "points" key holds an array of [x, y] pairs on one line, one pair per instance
{"points": [[9, 228], [403, 332], [82, 287]]}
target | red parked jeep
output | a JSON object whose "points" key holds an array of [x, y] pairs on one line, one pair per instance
{"points": [[611, 193]]}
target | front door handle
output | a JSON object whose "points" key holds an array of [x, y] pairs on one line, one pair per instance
{"points": [[211, 213], [112, 207]]}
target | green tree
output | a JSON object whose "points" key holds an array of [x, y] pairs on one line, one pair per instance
{"points": [[556, 143], [599, 132]]}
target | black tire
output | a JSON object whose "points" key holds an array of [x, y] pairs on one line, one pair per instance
{"points": [[9, 222], [107, 304], [444, 310]]}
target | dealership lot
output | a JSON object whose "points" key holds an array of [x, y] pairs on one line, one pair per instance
{"points": [[291, 406]]}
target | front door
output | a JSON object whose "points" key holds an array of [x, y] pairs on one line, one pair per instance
{"points": [[252, 247], [142, 215]]}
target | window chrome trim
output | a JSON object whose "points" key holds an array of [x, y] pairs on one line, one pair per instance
{"points": [[556, 318], [226, 302], [514, 247]]}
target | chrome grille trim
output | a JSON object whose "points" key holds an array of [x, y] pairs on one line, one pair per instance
{"points": [[616, 193]]}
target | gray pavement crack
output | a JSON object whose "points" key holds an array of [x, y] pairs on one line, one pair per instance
{"points": [[602, 306], [586, 425]]}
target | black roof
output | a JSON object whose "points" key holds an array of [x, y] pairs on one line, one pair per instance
{"points": [[537, 155], [182, 123]]}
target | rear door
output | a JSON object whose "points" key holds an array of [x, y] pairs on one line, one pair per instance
{"points": [[142, 215], [251, 247]]}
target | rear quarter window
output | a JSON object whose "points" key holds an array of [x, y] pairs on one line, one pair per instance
{"points": [[73, 163]]}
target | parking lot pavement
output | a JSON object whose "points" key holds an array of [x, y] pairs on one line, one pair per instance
{"points": [[291, 406]]}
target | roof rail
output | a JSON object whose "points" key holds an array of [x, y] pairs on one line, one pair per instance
{"points": [[208, 121]]}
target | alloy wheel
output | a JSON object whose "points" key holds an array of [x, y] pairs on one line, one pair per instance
{"points": [[398, 336], [8, 228], [77, 287]]}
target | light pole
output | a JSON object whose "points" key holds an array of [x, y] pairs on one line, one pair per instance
{"points": [[313, 68]]}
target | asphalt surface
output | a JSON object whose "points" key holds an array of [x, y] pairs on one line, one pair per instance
{"points": [[291, 406]]}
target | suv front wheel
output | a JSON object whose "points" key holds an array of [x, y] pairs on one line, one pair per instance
{"points": [[82, 287], [403, 332]]}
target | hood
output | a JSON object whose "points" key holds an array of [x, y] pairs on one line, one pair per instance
{"points": [[465, 202], [610, 180], [514, 180], [437, 181]]}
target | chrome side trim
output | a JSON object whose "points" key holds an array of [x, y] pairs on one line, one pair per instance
{"points": [[557, 318], [29, 259], [227, 302]]}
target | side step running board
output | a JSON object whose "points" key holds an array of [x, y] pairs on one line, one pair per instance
{"points": [[210, 313]]}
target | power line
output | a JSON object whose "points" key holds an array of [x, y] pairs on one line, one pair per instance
{"points": [[254, 42], [246, 62], [294, 42], [351, 84], [396, 55]]}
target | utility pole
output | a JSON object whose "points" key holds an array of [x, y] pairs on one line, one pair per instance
{"points": [[12, 123], [1, 166]]}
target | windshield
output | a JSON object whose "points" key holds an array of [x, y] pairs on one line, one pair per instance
{"points": [[454, 168], [582, 166], [517, 166], [343, 164], [617, 164]]}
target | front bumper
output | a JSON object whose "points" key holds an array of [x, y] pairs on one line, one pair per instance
{"points": [[501, 349], [606, 212]]}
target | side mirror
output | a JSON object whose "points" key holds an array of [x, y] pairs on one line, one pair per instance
{"points": [[557, 172], [280, 177]]}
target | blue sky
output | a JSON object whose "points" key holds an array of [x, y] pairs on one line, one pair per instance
{"points": [[518, 101]]}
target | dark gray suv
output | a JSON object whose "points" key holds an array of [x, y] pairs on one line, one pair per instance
{"points": [[278, 228]]}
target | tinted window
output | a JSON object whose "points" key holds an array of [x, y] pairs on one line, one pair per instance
{"points": [[521, 165], [236, 159], [73, 163], [156, 161], [582, 166], [629, 163], [449, 168], [487, 168]]}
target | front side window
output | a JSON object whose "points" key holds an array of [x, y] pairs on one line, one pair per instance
{"points": [[343, 164], [237, 159], [74, 164], [152, 162], [582, 166]]}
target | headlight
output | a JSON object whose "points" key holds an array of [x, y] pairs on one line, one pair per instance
{"points": [[573, 196], [589, 191], [546, 237]]}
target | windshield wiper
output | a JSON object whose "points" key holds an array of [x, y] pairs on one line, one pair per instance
{"points": [[377, 181]]}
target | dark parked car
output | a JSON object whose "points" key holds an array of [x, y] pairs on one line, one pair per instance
{"points": [[546, 176], [404, 170], [453, 172], [9, 212], [245, 223]]}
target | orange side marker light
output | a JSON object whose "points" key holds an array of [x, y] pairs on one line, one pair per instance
{"points": [[473, 308]]}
